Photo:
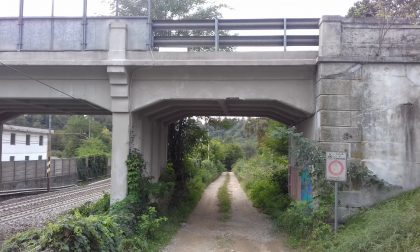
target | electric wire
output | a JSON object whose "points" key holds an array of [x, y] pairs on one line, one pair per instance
{"points": [[45, 84]]}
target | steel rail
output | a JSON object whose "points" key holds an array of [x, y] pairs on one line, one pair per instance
{"points": [[182, 41], [43, 197], [237, 24]]}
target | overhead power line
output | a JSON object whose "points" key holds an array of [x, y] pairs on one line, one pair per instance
{"points": [[45, 84]]}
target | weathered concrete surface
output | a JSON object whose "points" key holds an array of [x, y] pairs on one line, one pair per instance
{"points": [[368, 90], [369, 38], [293, 86]]}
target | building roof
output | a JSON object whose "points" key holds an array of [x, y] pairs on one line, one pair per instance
{"points": [[25, 129]]}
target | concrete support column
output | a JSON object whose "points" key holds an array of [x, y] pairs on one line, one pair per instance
{"points": [[338, 103], [338, 91], [1, 144], [163, 147], [330, 36], [121, 125], [147, 143], [117, 41], [120, 150], [155, 150]]}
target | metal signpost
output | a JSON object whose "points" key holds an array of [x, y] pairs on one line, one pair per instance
{"points": [[336, 170]]}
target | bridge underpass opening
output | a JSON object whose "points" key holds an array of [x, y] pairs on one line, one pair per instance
{"points": [[30, 117], [150, 124]]}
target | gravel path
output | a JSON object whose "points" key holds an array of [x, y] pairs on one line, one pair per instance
{"points": [[246, 231], [36, 210]]}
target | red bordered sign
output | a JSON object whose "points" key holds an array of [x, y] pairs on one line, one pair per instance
{"points": [[336, 168]]}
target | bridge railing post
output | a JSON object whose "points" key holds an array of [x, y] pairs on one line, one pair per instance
{"points": [[285, 34], [20, 23], [84, 24], [216, 34]]}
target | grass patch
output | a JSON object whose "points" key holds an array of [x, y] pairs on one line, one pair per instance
{"points": [[225, 201], [393, 225]]}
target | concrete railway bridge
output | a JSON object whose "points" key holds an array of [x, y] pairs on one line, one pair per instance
{"points": [[357, 92]]}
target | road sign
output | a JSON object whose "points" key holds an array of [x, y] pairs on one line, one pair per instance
{"points": [[336, 166]]}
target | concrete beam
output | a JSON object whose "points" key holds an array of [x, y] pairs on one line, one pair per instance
{"points": [[138, 58]]}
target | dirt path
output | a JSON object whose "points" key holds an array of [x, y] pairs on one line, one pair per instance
{"points": [[246, 231]]}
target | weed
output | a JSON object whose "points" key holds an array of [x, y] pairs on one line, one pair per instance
{"points": [[225, 199]]}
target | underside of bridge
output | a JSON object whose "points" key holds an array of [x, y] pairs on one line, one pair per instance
{"points": [[16, 106], [150, 124], [167, 111]]}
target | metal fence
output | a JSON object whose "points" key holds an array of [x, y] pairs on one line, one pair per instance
{"points": [[68, 33], [33, 174]]}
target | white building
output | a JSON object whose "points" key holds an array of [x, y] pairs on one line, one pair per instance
{"points": [[24, 143]]}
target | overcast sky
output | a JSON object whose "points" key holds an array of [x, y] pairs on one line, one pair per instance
{"points": [[285, 8], [239, 8]]}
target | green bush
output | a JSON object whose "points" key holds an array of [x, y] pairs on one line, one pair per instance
{"points": [[265, 194], [149, 223], [90, 208], [281, 178], [266, 182], [301, 221], [70, 233], [91, 167]]}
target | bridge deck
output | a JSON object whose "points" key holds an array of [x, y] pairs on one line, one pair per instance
{"points": [[94, 58]]}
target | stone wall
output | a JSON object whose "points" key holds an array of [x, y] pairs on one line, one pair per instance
{"points": [[367, 102]]}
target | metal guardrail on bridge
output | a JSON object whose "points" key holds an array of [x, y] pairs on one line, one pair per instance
{"points": [[182, 32], [90, 33]]}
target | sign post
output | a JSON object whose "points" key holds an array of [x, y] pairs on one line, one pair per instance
{"points": [[336, 170]]}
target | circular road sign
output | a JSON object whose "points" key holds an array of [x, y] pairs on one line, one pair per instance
{"points": [[336, 168]]}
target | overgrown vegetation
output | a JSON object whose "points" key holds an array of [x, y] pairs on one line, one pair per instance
{"points": [[385, 9], [70, 233], [393, 225], [143, 221], [225, 200], [265, 175], [92, 167]]}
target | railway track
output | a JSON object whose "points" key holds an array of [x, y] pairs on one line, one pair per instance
{"points": [[34, 211]]}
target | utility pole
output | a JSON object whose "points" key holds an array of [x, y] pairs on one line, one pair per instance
{"points": [[49, 154], [117, 8], [89, 126]]}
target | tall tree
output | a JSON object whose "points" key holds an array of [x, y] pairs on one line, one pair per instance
{"points": [[184, 136], [171, 9], [388, 9], [175, 10], [78, 129]]}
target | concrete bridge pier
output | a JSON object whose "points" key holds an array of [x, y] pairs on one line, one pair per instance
{"points": [[121, 125], [120, 149], [150, 137]]}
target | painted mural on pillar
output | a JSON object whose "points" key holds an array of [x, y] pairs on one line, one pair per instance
{"points": [[306, 185]]}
